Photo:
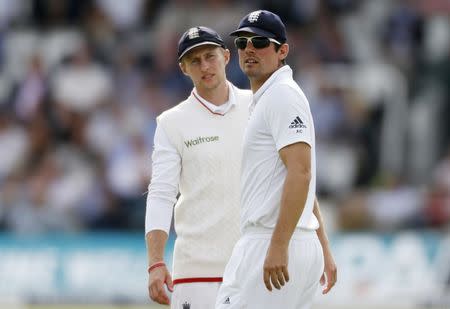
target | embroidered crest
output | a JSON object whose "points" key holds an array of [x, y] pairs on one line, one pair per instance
{"points": [[193, 33], [253, 17]]}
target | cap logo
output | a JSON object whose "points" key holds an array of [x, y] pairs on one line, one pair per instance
{"points": [[193, 33], [253, 17]]}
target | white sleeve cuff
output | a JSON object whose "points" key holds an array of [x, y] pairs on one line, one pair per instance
{"points": [[158, 215]]}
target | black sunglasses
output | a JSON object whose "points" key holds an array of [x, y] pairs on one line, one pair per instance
{"points": [[258, 42]]}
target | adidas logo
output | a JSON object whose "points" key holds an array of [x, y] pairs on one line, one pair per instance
{"points": [[186, 305], [297, 123], [227, 301]]}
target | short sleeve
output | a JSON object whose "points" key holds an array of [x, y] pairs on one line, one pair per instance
{"points": [[288, 117]]}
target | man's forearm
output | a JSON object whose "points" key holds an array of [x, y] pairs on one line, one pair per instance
{"points": [[293, 201], [156, 242], [321, 233]]}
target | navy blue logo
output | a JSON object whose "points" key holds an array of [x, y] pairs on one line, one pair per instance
{"points": [[186, 305], [297, 123]]}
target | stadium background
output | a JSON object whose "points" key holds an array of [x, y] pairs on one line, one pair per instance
{"points": [[81, 83]]}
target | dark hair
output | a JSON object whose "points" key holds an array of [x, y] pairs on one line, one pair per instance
{"points": [[277, 48]]}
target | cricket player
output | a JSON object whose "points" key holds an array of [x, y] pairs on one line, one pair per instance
{"points": [[197, 154], [279, 246]]}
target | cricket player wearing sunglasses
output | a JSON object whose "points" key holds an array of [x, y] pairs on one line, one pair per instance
{"points": [[283, 243]]}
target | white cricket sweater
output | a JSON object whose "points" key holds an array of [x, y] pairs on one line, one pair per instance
{"points": [[206, 215]]}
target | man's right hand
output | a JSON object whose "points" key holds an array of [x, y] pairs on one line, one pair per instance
{"points": [[156, 280]]}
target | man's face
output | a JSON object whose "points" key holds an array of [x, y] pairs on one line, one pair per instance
{"points": [[205, 65], [260, 63]]}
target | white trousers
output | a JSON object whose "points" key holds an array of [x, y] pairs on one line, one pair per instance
{"points": [[243, 285], [196, 295]]}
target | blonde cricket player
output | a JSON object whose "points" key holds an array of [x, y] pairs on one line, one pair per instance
{"points": [[197, 154]]}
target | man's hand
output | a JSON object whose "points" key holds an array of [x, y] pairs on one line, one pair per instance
{"points": [[329, 276], [276, 267], [156, 280]]}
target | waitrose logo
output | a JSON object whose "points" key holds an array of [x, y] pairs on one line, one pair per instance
{"points": [[200, 140]]}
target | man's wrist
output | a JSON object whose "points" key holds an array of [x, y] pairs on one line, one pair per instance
{"points": [[279, 243], [155, 265]]}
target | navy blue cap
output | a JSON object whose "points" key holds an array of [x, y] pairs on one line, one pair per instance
{"points": [[263, 23], [198, 36]]}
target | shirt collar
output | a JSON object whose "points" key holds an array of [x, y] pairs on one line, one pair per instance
{"points": [[221, 109], [284, 72]]}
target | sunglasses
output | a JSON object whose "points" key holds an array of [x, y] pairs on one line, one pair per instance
{"points": [[258, 42]]}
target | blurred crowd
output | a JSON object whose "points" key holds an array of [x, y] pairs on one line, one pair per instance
{"points": [[81, 83]]}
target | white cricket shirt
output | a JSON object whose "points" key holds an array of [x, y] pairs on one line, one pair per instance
{"points": [[280, 116]]}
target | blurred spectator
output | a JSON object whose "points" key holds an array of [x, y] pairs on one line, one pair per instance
{"points": [[14, 145], [40, 137], [82, 82], [10, 10], [328, 41], [178, 15], [128, 171], [403, 34], [295, 11], [395, 205], [128, 78], [391, 206], [32, 206], [31, 91], [124, 15], [54, 13], [438, 204]]}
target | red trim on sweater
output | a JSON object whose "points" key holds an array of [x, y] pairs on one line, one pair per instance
{"points": [[198, 99], [192, 280]]}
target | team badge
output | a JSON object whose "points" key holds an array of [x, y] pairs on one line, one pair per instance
{"points": [[193, 33], [253, 17]]}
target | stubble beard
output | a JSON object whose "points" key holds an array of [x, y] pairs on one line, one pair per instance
{"points": [[250, 72]]}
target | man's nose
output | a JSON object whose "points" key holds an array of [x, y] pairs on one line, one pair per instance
{"points": [[204, 65], [249, 50], [249, 46]]}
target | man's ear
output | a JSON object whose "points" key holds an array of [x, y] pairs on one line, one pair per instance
{"points": [[183, 67], [284, 51], [226, 55]]}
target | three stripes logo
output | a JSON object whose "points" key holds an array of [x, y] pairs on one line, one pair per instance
{"points": [[297, 123], [186, 305], [227, 301]]}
